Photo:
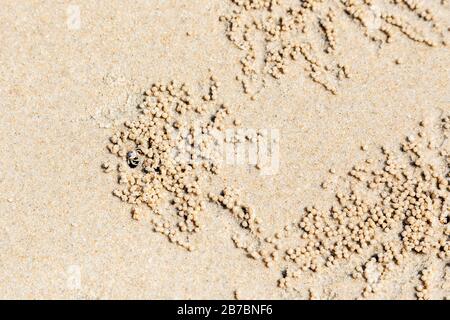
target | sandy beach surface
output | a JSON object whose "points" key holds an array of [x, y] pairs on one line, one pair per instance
{"points": [[72, 72]]}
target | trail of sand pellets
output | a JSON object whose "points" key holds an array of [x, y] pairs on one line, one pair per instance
{"points": [[158, 174], [388, 210], [177, 140], [274, 34]]}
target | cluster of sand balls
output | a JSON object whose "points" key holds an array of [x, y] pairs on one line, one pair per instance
{"points": [[178, 140], [161, 165], [281, 43], [310, 29], [423, 290], [330, 32], [229, 199], [213, 89], [390, 18], [395, 207]]}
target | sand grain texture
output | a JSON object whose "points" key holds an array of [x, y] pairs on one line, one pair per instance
{"points": [[64, 90]]}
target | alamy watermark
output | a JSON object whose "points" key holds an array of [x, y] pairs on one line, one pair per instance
{"points": [[73, 17], [231, 147], [73, 280], [374, 20]]}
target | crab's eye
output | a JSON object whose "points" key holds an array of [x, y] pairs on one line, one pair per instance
{"points": [[131, 154]]}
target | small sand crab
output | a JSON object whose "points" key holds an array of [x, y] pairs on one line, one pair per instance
{"points": [[133, 159]]}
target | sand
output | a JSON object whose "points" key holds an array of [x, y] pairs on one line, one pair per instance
{"points": [[65, 84]]}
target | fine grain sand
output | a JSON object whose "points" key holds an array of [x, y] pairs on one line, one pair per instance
{"points": [[66, 85]]}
